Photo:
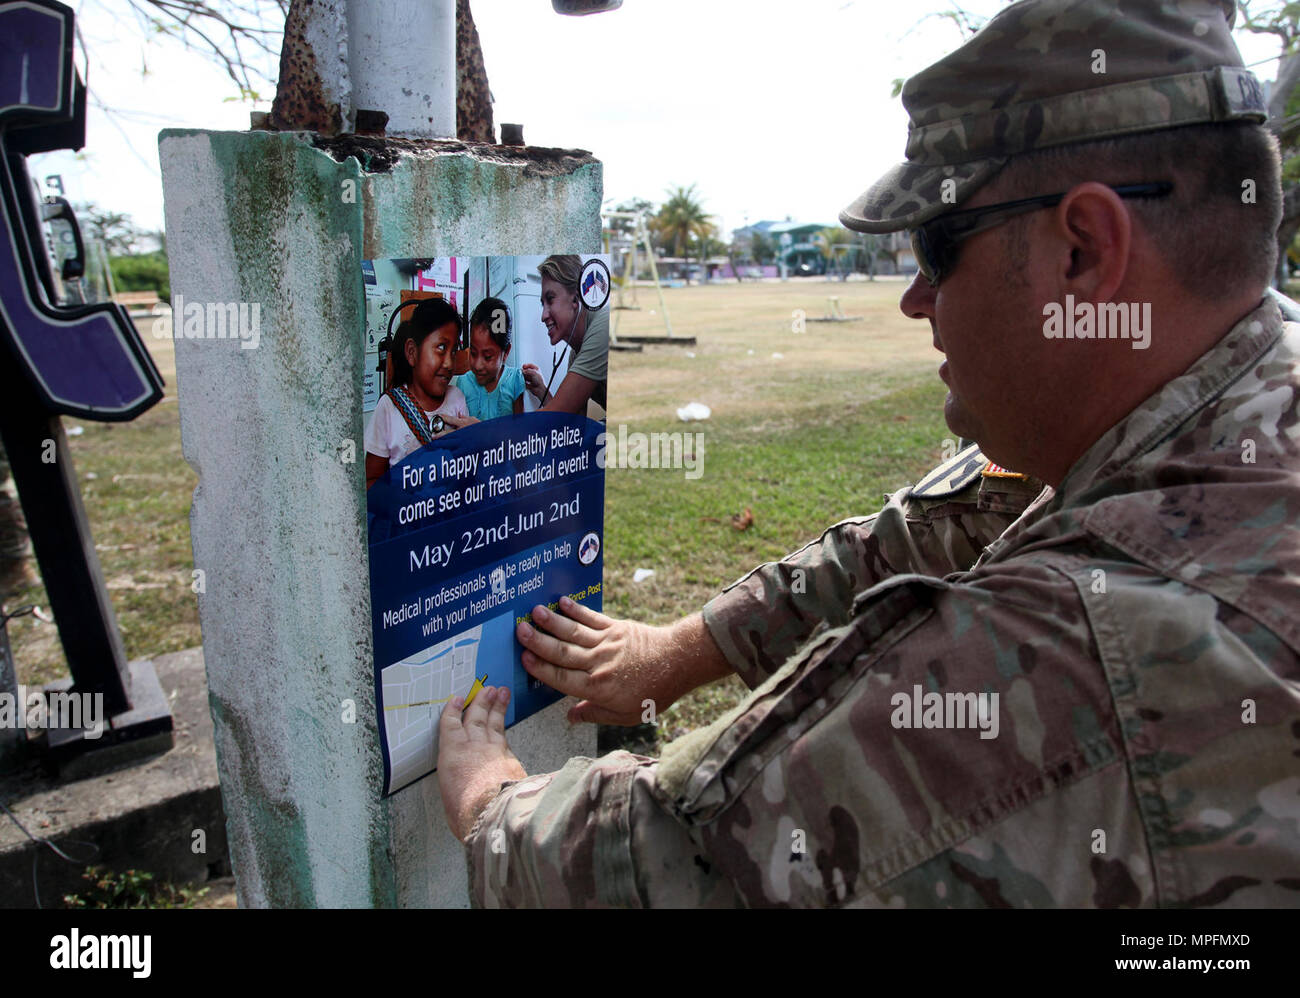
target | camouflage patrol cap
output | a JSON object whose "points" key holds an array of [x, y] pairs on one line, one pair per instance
{"points": [[1050, 72]]}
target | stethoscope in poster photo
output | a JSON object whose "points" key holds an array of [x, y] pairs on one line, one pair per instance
{"points": [[594, 283], [564, 352]]}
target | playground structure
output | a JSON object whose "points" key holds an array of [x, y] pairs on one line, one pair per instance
{"points": [[834, 313], [627, 284]]}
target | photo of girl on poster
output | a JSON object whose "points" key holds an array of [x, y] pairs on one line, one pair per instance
{"points": [[421, 404], [491, 388]]}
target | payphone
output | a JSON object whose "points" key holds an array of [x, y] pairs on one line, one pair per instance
{"points": [[63, 357]]}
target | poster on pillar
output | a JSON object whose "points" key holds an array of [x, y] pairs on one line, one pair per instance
{"points": [[484, 411]]}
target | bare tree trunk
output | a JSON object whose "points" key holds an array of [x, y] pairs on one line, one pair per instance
{"points": [[473, 98]]}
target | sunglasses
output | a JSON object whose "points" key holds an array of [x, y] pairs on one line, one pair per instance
{"points": [[935, 243]]}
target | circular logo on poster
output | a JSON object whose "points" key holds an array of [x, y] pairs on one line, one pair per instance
{"points": [[588, 549], [594, 284]]}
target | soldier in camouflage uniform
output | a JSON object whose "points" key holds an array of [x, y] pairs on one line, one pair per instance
{"points": [[991, 693]]}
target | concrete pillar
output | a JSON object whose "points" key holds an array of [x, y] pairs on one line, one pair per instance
{"points": [[279, 520]]}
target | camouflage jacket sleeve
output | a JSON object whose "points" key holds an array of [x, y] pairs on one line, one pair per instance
{"points": [[937, 527], [592, 834]]}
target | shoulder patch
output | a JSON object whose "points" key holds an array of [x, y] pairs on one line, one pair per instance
{"points": [[992, 470], [952, 476]]}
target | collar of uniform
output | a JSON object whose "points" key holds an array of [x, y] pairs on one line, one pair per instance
{"points": [[1178, 400]]}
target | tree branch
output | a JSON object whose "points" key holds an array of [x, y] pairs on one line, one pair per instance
{"points": [[243, 23]]}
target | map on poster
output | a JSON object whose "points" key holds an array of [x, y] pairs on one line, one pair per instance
{"points": [[484, 410], [414, 691]]}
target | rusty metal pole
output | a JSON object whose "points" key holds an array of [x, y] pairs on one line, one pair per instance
{"points": [[368, 66], [402, 61]]}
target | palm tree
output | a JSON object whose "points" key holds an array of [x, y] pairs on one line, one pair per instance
{"points": [[681, 219]]}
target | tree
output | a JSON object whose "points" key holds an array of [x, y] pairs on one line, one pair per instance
{"points": [[709, 244], [682, 219], [142, 272], [236, 34], [965, 22], [761, 248], [624, 226], [113, 229]]}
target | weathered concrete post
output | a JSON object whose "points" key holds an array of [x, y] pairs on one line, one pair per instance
{"points": [[271, 421]]}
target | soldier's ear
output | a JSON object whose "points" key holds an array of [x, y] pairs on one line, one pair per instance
{"points": [[1092, 241]]}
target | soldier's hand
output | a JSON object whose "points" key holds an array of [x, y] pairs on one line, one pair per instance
{"points": [[473, 757], [613, 665]]}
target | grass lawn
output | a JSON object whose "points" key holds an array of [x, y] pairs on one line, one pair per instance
{"points": [[848, 412]]}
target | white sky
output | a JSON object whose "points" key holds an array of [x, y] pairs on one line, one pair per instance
{"points": [[770, 107]]}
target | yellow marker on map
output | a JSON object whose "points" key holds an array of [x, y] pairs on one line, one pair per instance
{"points": [[473, 690]]}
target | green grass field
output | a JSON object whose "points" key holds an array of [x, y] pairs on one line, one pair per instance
{"points": [[848, 412]]}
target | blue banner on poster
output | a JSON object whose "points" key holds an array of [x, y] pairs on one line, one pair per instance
{"points": [[478, 509], [467, 535]]}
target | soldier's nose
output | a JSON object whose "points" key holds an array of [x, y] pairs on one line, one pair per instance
{"points": [[918, 300]]}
